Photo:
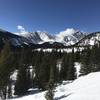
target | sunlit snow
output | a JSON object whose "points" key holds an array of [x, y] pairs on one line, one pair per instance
{"points": [[84, 88]]}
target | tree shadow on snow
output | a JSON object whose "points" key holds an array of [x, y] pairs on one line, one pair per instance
{"points": [[63, 96]]}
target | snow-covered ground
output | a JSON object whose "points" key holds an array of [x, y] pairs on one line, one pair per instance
{"points": [[84, 88]]}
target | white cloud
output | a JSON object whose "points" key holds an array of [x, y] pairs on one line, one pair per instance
{"points": [[21, 29], [62, 34], [68, 31]]}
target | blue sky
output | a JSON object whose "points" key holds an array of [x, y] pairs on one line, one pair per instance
{"points": [[50, 15]]}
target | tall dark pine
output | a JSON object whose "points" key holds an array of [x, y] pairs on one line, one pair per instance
{"points": [[6, 67], [53, 56], [96, 57], [64, 67], [86, 62], [51, 84], [23, 82], [44, 72], [21, 85], [71, 73], [9, 89]]}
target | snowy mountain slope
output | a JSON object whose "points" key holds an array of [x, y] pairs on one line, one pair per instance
{"points": [[15, 40], [84, 88], [45, 37], [67, 37], [37, 37], [30, 40], [89, 40]]}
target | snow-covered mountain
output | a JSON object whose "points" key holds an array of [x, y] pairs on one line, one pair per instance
{"points": [[90, 39], [84, 88], [15, 40], [67, 37]]}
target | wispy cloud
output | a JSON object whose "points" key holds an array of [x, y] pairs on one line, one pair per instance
{"points": [[68, 31], [21, 29]]}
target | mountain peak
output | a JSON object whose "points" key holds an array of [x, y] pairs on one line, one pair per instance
{"points": [[67, 37]]}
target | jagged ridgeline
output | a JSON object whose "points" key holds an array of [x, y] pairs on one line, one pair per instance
{"points": [[25, 65], [42, 39]]}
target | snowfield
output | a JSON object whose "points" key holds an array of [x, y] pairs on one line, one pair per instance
{"points": [[84, 88]]}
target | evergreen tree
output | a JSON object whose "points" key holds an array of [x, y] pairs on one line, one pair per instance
{"points": [[50, 92], [77, 55], [53, 56], [29, 79], [71, 74], [95, 58], [50, 88], [9, 89], [6, 67], [86, 62], [21, 85], [24, 81], [64, 67], [36, 64], [68, 71], [44, 72]]}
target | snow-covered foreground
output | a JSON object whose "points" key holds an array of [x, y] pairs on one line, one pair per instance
{"points": [[84, 88]]}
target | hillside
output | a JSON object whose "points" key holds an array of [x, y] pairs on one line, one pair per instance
{"points": [[84, 88]]}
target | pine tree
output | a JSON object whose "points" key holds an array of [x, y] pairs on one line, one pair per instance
{"points": [[68, 71], [29, 79], [6, 67], [44, 72], [95, 58], [71, 73], [64, 67], [77, 55], [23, 82], [50, 92], [36, 63], [21, 85], [50, 88], [86, 62], [53, 56], [9, 89]]}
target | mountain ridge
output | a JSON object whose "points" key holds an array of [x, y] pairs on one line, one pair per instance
{"points": [[43, 39], [67, 37]]}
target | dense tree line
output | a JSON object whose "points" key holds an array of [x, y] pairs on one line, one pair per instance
{"points": [[90, 59], [6, 68], [39, 69]]}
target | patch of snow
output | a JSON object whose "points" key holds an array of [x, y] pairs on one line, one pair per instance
{"points": [[32, 72], [77, 66], [59, 63], [68, 50], [14, 75]]}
